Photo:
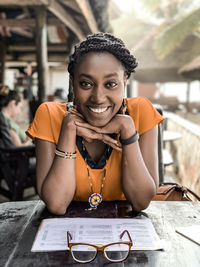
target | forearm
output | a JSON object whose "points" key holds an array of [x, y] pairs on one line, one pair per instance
{"points": [[138, 184], [15, 138], [59, 185], [139, 167]]}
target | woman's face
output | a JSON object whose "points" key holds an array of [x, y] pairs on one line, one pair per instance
{"points": [[15, 109], [99, 82]]}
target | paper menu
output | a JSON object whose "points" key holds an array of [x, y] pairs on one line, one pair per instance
{"points": [[191, 232], [52, 233]]}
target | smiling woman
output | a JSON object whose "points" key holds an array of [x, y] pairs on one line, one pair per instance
{"points": [[98, 91], [91, 151]]}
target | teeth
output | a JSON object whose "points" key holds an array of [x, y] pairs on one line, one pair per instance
{"points": [[98, 110]]}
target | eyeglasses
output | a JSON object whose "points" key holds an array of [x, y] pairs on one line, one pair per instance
{"points": [[114, 252]]}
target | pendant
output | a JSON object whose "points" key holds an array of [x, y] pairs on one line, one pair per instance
{"points": [[94, 200]]}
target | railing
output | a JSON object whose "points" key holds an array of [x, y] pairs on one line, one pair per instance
{"points": [[185, 151]]}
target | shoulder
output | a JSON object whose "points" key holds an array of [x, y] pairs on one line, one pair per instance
{"points": [[2, 119], [51, 109], [138, 105], [144, 114], [139, 101], [11, 123], [47, 121]]}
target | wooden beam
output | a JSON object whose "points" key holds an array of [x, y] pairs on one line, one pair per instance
{"points": [[63, 15], [42, 57], [88, 14], [17, 22], [72, 5], [32, 48], [21, 3], [27, 22], [24, 58]]}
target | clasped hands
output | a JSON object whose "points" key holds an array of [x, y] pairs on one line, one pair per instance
{"points": [[119, 124]]}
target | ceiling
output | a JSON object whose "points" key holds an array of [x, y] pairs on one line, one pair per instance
{"points": [[67, 21]]}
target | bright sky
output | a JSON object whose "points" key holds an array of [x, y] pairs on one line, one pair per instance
{"points": [[124, 5]]}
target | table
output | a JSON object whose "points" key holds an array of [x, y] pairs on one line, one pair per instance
{"points": [[167, 158], [19, 222], [169, 136]]}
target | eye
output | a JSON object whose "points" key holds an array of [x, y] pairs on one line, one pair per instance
{"points": [[85, 84], [111, 84]]}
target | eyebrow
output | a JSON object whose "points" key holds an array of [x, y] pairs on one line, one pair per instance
{"points": [[106, 76]]}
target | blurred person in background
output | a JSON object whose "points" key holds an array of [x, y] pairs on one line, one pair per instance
{"points": [[10, 107]]}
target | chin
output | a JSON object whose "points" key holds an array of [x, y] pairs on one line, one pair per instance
{"points": [[98, 123]]}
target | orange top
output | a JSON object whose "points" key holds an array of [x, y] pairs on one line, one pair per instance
{"points": [[47, 124]]}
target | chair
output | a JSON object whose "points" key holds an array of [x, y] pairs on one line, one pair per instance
{"points": [[17, 165], [160, 146], [18, 170]]}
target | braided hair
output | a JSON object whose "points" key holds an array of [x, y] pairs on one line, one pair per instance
{"points": [[103, 42]]}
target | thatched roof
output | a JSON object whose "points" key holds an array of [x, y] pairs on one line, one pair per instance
{"points": [[151, 69], [101, 14], [191, 70]]}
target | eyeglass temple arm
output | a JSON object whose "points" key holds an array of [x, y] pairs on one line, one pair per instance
{"points": [[122, 234], [69, 237]]}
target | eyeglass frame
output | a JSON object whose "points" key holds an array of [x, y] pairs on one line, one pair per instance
{"points": [[99, 248]]}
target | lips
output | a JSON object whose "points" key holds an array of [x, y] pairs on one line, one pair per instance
{"points": [[98, 110]]}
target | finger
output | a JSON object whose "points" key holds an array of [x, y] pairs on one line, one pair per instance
{"points": [[87, 126], [66, 113], [105, 130], [75, 112], [88, 134], [109, 139], [102, 137], [117, 148], [89, 140]]}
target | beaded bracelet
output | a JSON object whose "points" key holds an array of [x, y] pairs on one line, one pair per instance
{"points": [[65, 155]]}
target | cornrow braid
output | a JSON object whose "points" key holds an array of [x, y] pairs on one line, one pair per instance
{"points": [[100, 42]]}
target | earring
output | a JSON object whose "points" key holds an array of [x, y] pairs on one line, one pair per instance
{"points": [[123, 107]]}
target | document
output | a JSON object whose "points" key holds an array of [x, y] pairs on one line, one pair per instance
{"points": [[52, 233], [192, 232]]}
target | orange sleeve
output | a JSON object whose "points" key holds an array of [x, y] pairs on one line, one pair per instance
{"points": [[41, 126], [144, 114]]}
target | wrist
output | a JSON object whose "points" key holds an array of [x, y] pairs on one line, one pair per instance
{"points": [[134, 138], [67, 138], [127, 128]]}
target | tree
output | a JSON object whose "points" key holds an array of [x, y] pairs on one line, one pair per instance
{"points": [[179, 19]]}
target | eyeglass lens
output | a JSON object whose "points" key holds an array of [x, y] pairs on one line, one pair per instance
{"points": [[85, 253], [117, 252]]}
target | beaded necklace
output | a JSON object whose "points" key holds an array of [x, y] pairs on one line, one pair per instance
{"points": [[96, 198]]}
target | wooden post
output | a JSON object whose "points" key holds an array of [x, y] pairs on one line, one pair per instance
{"points": [[41, 51], [2, 61], [188, 97]]}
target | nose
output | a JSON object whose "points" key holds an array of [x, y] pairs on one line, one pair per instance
{"points": [[98, 94]]}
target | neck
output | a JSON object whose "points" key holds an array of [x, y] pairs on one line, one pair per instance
{"points": [[95, 149]]}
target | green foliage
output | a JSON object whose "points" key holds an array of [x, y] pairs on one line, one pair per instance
{"points": [[173, 35]]}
